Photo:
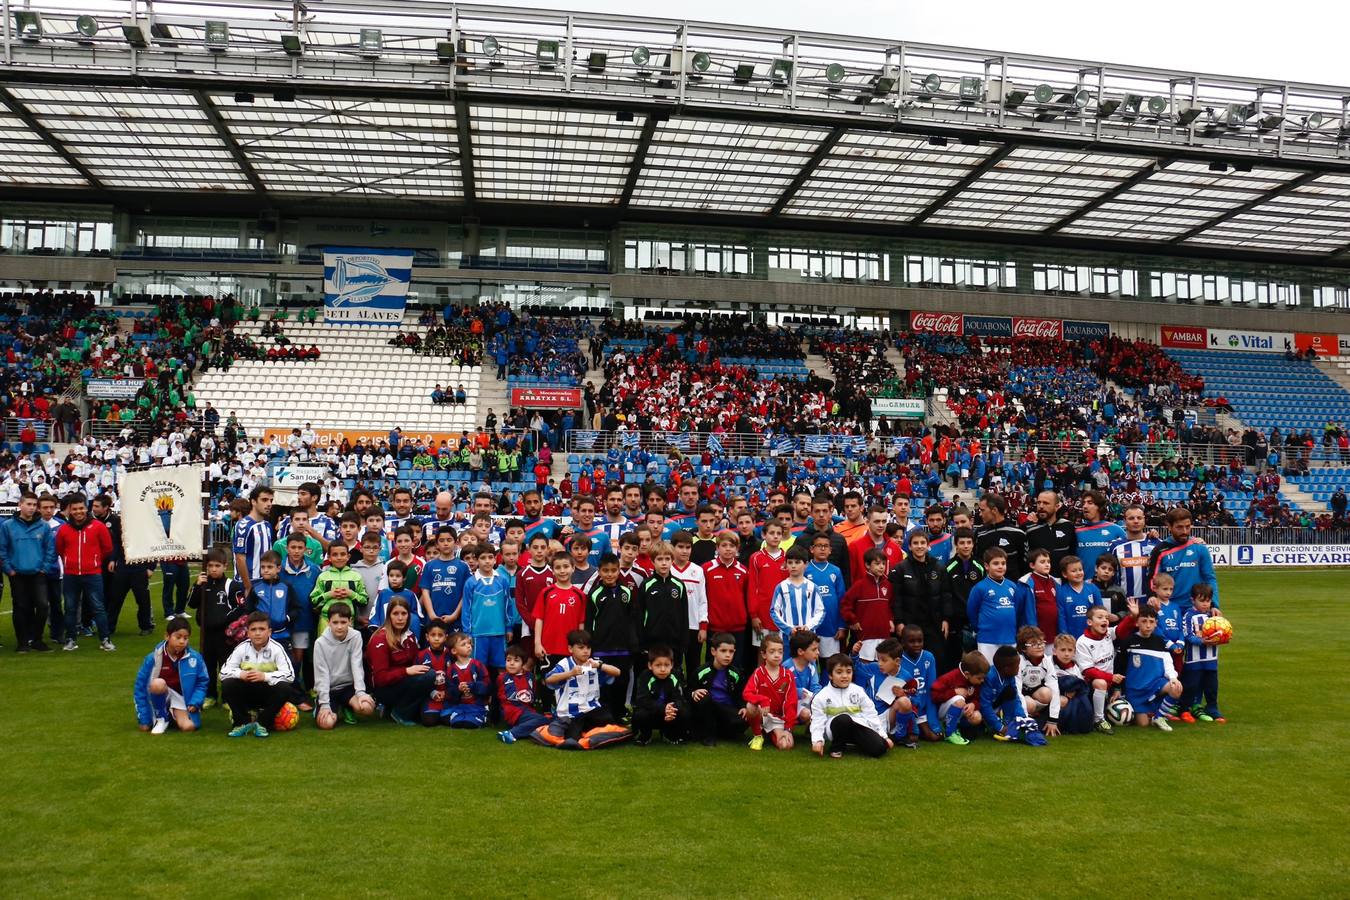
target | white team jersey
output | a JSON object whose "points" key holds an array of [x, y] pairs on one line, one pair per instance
{"points": [[696, 586], [1032, 676]]}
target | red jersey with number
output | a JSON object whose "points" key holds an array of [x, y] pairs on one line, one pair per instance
{"points": [[562, 609]]}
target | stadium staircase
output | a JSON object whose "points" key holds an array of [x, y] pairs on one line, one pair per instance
{"points": [[895, 358], [1268, 391], [1318, 485], [360, 384], [818, 365]]}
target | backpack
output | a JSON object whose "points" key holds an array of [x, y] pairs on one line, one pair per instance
{"points": [[236, 629]]}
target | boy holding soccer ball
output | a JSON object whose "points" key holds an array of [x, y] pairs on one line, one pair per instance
{"points": [[1200, 673]]}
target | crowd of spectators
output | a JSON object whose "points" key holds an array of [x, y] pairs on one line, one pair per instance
{"points": [[547, 349], [457, 343]]}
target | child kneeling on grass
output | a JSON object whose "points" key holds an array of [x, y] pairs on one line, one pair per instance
{"points": [[257, 676], [955, 696], [843, 713], [658, 700], [171, 684], [339, 672], [576, 680], [1150, 676], [515, 693], [771, 697]]}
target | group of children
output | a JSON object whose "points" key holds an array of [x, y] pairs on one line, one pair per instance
{"points": [[578, 647]]}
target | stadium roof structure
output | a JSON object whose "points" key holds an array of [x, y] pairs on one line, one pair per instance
{"points": [[554, 118]]}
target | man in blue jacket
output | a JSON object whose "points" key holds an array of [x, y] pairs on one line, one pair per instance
{"points": [[27, 554]]}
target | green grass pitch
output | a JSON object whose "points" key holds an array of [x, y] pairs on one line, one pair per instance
{"points": [[1259, 806]]}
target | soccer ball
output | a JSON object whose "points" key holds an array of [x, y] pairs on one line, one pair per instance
{"points": [[287, 717], [1119, 712], [1217, 625]]}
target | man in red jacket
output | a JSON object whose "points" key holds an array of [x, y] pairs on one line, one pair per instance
{"points": [[874, 538], [82, 544]]}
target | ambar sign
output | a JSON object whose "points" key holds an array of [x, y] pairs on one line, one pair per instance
{"points": [[1182, 337]]}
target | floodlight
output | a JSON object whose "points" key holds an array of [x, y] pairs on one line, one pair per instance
{"points": [[1312, 122], [883, 85], [596, 61], [546, 52], [932, 83], [1270, 122], [1237, 114], [87, 26], [1242, 167], [1014, 99], [371, 42], [445, 52], [1082, 98], [1132, 103], [972, 88], [491, 46], [291, 44], [133, 31], [744, 72], [781, 70], [641, 55], [1186, 114], [834, 73], [243, 97], [1107, 108], [1044, 93], [217, 35], [701, 62], [162, 35], [1157, 105], [28, 25]]}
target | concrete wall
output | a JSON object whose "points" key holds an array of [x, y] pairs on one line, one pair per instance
{"points": [[57, 268]]}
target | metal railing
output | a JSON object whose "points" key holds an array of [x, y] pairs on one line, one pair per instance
{"points": [[1281, 534], [41, 427]]}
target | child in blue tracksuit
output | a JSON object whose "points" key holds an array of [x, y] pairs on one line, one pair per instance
{"points": [[805, 649], [273, 596], [394, 575], [489, 611], [880, 679], [830, 587], [1075, 596], [171, 684], [918, 670], [1200, 673], [1000, 701], [997, 606], [300, 575]]}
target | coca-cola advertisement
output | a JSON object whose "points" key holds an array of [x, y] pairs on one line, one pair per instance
{"points": [[1037, 328], [949, 324], [1182, 337]]}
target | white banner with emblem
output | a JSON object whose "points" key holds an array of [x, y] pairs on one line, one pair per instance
{"points": [[162, 513]]}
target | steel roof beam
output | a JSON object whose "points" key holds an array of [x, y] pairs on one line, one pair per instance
{"points": [[51, 140], [826, 145], [464, 132], [975, 174], [639, 159], [1291, 184], [1128, 184], [228, 139]]}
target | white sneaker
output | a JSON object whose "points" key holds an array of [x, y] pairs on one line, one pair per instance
{"points": [[161, 726], [1163, 724], [70, 645], [106, 644]]}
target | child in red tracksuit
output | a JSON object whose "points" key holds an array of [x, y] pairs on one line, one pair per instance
{"points": [[724, 581], [866, 606], [770, 695], [468, 685], [767, 568], [957, 695], [515, 694], [1042, 587], [437, 658]]}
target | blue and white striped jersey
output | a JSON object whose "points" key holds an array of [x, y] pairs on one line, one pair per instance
{"points": [[1133, 557], [796, 606], [577, 696], [251, 540]]}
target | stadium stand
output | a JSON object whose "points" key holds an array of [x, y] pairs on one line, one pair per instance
{"points": [[361, 384], [1270, 391]]}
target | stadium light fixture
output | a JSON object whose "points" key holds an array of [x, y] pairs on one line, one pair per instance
{"points": [[971, 88], [1242, 167], [1131, 105], [28, 25], [133, 31], [291, 44], [596, 61], [162, 35], [491, 46], [370, 43], [1188, 113], [1107, 108], [445, 52], [781, 70], [243, 97], [1157, 105], [1043, 93], [1015, 99], [1237, 114], [743, 73], [835, 73], [641, 56], [87, 26], [937, 140], [1270, 122], [546, 53], [284, 95], [700, 62], [883, 84], [1312, 122], [217, 35], [1218, 166], [932, 83]]}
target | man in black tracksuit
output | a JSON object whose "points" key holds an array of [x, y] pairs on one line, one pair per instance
{"points": [[920, 598], [963, 573], [1052, 532], [996, 531]]}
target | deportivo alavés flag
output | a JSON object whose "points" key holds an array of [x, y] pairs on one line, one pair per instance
{"points": [[365, 287]]}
